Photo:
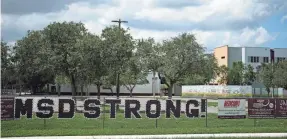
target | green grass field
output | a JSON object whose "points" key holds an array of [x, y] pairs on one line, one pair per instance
{"points": [[79, 125], [214, 104], [247, 138]]}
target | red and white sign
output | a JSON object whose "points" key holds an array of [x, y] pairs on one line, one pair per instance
{"points": [[231, 108]]}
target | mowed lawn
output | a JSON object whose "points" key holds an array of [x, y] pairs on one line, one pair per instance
{"points": [[80, 125]]}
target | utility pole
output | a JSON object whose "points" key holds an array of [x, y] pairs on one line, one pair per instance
{"points": [[118, 74]]}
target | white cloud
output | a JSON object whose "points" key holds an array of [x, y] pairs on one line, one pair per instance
{"points": [[283, 18], [96, 17], [263, 36], [225, 10], [212, 39]]}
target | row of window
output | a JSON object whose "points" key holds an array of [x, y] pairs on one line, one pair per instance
{"points": [[255, 59], [280, 58]]}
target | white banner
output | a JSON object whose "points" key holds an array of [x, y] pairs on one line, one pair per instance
{"points": [[231, 108]]}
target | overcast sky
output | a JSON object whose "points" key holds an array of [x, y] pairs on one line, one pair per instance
{"points": [[214, 22]]}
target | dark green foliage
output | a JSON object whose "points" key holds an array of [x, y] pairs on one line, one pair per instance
{"points": [[32, 61]]}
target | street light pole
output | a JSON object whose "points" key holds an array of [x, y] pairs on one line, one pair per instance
{"points": [[118, 74]]}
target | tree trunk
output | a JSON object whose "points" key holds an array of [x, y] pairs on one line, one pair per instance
{"points": [[118, 86], [82, 90], [170, 90], [59, 89], [87, 90], [20, 89], [268, 91], [99, 90], [34, 89], [73, 85], [111, 89], [31, 88], [152, 86], [48, 88], [131, 92]]}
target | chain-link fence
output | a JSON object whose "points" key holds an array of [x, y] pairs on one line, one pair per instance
{"points": [[203, 116]]}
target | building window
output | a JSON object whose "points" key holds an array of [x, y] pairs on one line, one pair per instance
{"points": [[254, 59], [280, 59], [223, 57], [266, 59]]}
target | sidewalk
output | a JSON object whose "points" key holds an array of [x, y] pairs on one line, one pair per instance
{"points": [[181, 136]]}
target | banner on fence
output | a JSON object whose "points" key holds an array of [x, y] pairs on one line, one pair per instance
{"points": [[231, 108], [92, 107], [261, 108], [281, 108], [7, 108]]}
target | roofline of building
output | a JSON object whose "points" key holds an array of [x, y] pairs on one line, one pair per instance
{"points": [[221, 46], [246, 47], [279, 48], [252, 47]]}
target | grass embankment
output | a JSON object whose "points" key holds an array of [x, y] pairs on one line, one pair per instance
{"points": [[80, 125], [214, 104]]}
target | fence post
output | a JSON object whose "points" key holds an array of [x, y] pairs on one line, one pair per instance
{"points": [[156, 118], [206, 112], [104, 111], [254, 122], [45, 118]]}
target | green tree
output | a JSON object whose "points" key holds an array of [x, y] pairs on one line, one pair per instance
{"points": [[222, 73], [119, 45], [238, 74], [4, 55], [181, 56], [194, 80], [249, 75], [109, 81], [4, 65], [96, 61], [65, 40], [209, 68], [266, 76], [32, 61], [235, 74], [148, 52], [59, 80], [280, 75], [8, 76], [134, 73], [208, 72]]}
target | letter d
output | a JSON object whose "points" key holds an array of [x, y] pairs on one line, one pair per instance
{"points": [[70, 113]]}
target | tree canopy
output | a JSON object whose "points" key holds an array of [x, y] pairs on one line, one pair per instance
{"points": [[67, 53], [181, 56]]}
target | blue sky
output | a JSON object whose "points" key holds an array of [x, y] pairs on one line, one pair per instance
{"points": [[276, 24], [257, 23]]}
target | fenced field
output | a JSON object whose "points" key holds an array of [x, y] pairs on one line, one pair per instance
{"points": [[104, 125]]}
